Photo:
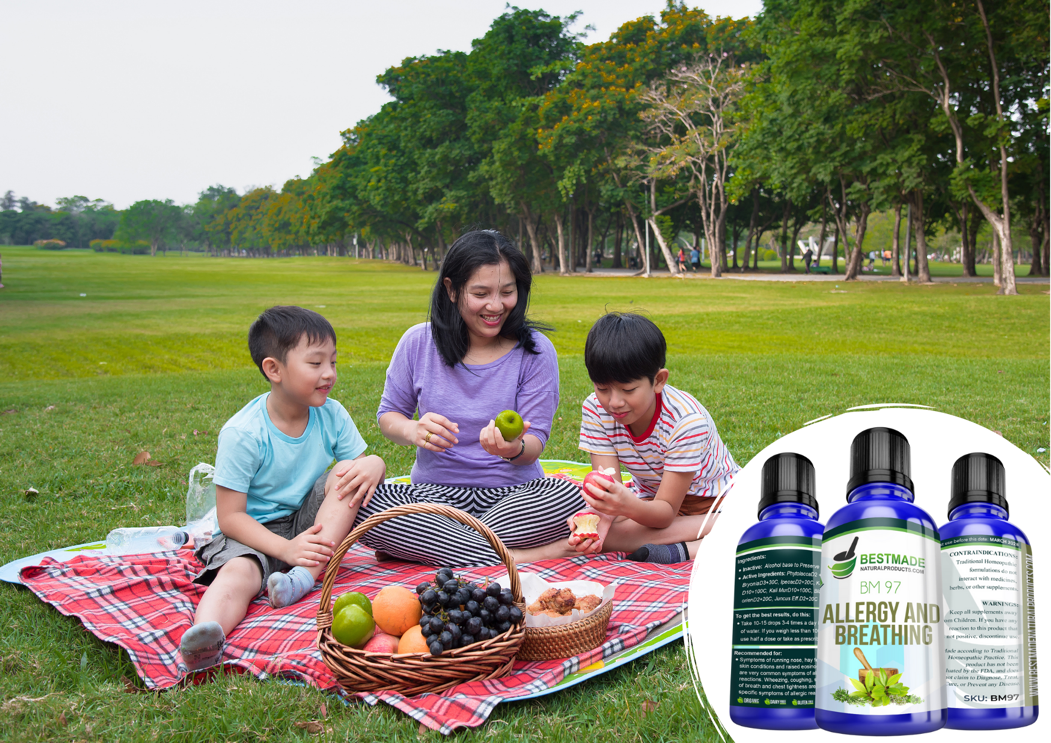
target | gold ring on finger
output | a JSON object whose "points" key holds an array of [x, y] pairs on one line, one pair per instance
{"points": [[427, 438]]}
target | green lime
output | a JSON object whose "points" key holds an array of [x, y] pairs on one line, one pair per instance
{"points": [[352, 597], [353, 626]]}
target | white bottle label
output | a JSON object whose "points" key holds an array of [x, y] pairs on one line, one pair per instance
{"points": [[990, 643], [880, 609]]}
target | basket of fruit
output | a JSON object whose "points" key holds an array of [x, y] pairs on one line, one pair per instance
{"points": [[447, 635]]}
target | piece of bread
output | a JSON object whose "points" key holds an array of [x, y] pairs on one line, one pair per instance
{"points": [[587, 603]]}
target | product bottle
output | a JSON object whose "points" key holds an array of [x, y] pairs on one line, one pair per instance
{"points": [[987, 570], [880, 648], [145, 540], [775, 602]]}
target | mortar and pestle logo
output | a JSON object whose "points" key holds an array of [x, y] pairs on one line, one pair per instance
{"points": [[843, 563], [868, 669]]}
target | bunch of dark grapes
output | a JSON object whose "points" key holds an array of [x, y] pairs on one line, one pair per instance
{"points": [[457, 613]]}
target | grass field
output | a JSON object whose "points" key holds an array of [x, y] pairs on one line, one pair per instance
{"points": [[103, 356]]}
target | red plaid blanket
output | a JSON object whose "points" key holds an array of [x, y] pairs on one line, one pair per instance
{"points": [[145, 603]]}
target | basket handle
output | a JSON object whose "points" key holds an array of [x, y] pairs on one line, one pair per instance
{"points": [[324, 613]]}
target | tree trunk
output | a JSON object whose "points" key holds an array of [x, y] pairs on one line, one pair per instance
{"points": [[638, 232], [591, 236], [752, 223], [997, 264], [618, 242], [720, 239], [798, 225], [854, 267], [560, 218], [895, 246], [536, 266], [784, 237], [665, 249], [923, 271]]}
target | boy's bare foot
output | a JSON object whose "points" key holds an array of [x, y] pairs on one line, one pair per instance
{"points": [[202, 645]]}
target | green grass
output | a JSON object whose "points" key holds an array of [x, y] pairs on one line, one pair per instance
{"points": [[155, 352]]}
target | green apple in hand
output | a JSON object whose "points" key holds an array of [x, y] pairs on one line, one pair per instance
{"points": [[510, 424]]}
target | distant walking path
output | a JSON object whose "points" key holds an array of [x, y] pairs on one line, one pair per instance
{"points": [[816, 277]]}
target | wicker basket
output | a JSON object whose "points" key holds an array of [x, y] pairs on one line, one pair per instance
{"points": [[566, 640], [417, 673]]}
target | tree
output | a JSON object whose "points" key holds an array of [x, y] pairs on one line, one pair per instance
{"points": [[208, 216], [955, 54], [155, 222], [693, 111]]}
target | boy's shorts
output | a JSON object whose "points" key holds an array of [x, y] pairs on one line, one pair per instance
{"points": [[694, 506], [222, 549]]}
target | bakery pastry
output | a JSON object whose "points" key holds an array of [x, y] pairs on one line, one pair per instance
{"points": [[560, 602], [587, 603]]}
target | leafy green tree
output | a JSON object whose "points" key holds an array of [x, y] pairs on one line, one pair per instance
{"points": [[157, 222], [208, 224], [522, 57]]}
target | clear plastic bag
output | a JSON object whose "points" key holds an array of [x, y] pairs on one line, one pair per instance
{"points": [[201, 521]]}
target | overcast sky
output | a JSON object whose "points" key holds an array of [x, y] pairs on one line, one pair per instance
{"points": [[126, 100]]}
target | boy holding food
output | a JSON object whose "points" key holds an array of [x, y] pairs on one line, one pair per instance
{"points": [[661, 435]]}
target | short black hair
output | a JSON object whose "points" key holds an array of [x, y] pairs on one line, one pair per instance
{"points": [[467, 254], [280, 329], [622, 347]]}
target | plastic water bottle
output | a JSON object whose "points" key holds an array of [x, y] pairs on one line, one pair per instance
{"points": [[201, 522], [146, 540]]}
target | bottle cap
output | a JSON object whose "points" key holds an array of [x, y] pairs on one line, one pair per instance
{"points": [[788, 478], [879, 455], [978, 478]]}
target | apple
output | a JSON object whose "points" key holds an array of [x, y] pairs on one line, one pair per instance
{"points": [[381, 642], [601, 479], [510, 424]]}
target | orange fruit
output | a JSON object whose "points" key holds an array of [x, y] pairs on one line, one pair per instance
{"points": [[396, 609], [413, 641]]}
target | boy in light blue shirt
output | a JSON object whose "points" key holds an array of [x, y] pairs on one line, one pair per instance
{"points": [[278, 508]]}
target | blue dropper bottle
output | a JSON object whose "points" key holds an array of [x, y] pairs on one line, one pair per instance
{"points": [[775, 602], [987, 576], [880, 659]]}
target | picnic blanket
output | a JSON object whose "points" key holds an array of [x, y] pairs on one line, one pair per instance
{"points": [[144, 604]]}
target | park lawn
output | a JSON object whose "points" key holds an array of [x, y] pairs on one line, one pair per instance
{"points": [[939, 269], [153, 358]]}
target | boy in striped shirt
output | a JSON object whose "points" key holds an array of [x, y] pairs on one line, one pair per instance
{"points": [[661, 435]]}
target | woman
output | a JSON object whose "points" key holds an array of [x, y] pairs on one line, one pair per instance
{"points": [[477, 356]]}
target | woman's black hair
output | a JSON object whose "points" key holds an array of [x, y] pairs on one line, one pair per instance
{"points": [[466, 255], [623, 347]]}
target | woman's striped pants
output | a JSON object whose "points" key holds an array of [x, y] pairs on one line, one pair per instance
{"points": [[527, 515]]}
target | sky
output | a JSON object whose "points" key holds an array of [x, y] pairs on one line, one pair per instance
{"points": [[125, 100]]}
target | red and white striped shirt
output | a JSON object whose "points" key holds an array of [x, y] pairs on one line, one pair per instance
{"points": [[682, 438]]}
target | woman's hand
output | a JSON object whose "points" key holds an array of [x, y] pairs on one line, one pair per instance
{"points": [[493, 442], [434, 432]]}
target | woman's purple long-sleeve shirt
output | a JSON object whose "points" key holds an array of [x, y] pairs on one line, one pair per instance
{"points": [[471, 396]]}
